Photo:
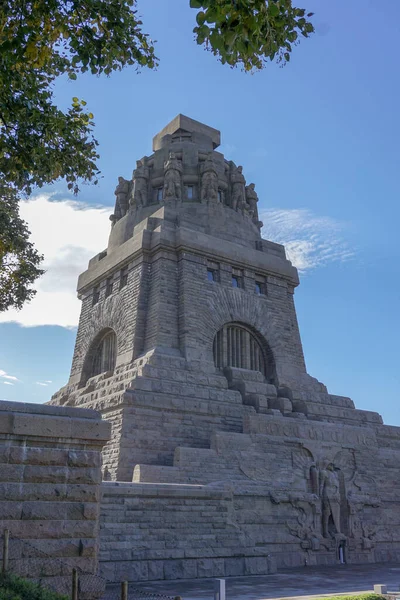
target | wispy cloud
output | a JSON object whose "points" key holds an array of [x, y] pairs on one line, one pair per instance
{"points": [[310, 240], [43, 383], [4, 375], [68, 233], [7, 383]]}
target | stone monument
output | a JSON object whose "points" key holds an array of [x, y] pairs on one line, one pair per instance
{"points": [[226, 457]]}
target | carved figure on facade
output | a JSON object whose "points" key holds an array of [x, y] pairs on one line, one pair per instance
{"points": [[140, 183], [251, 202], [209, 181], [172, 177], [329, 492], [238, 188], [306, 526], [121, 203]]}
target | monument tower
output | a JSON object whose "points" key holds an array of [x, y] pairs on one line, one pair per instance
{"points": [[188, 343]]}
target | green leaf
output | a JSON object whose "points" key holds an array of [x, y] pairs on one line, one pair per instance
{"points": [[273, 9], [196, 3]]}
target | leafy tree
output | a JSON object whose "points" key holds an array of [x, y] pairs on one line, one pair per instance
{"points": [[43, 39], [18, 258], [250, 32]]}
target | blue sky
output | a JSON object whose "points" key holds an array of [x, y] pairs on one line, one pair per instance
{"points": [[319, 137]]}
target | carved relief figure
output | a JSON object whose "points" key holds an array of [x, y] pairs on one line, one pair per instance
{"points": [[330, 495], [251, 202], [172, 177], [238, 188], [140, 183], [121, 203], [209, 181]]}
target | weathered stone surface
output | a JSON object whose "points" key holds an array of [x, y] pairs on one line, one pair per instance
{"points": [[226, 457], [50, 486]]}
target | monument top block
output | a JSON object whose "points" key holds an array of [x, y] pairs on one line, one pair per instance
{"points": [[186, 124]]}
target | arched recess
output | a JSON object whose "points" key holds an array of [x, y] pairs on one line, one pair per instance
{"points": [[102, 354], [238, 345]]}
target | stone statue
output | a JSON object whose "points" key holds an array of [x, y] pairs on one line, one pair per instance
{"points": [[172, 177], [251, 202], [209, 181], [121, 203], [140, 183], [330, 496], [238, 189]]}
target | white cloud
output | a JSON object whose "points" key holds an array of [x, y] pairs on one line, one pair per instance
{"points": [[44, 383], [4, 375], [68, 233], [310, 241], [7, 383]]}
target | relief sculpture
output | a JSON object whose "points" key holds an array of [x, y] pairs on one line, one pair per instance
{"points": [[209, 181], [172, 177], [121, 203], [238, 189], [140, 183], [251, 204], [330, 498]]}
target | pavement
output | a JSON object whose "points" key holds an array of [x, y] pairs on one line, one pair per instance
{"points": [[293, 584]]}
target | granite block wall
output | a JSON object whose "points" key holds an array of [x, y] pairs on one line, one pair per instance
{"points": [[50, 476]]}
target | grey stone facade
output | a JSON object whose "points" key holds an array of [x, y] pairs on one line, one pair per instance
{"points": [[50, 488], [226, 457]]}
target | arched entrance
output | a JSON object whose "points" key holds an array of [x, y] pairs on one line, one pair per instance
{"points": [[236, 345], [102, 354]]}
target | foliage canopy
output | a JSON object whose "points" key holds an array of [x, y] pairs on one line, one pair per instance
{"points": [[41, 40]]}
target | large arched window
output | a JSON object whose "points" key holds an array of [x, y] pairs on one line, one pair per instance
{"points": [[102, 354], [237, 346]]}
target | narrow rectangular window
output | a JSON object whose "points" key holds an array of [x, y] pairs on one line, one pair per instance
{"points": [[159, 194], [212, 275], [190, 192], [236, 281], [259, 285], [123, 278], [96, 295], [109, 286]]}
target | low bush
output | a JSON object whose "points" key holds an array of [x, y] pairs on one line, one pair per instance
{"points": [[17, 588]]}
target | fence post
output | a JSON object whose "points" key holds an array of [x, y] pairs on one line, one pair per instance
{"points": [[74, 594], [219, 589], [5, 549], [124, 590]]}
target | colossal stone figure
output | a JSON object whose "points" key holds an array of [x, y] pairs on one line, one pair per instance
{"points": [[251, 202], [209, 181], [330, 496], [238, 188], [140, 183], [121, 203], [172, 177]]}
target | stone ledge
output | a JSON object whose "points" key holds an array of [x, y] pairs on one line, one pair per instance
{"points": [[47, 409], [54, 422]]}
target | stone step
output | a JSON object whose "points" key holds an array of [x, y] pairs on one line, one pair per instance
{"points": [[345, 415], [235, 374], [183, 376], [217, 403], [182, 389]]}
